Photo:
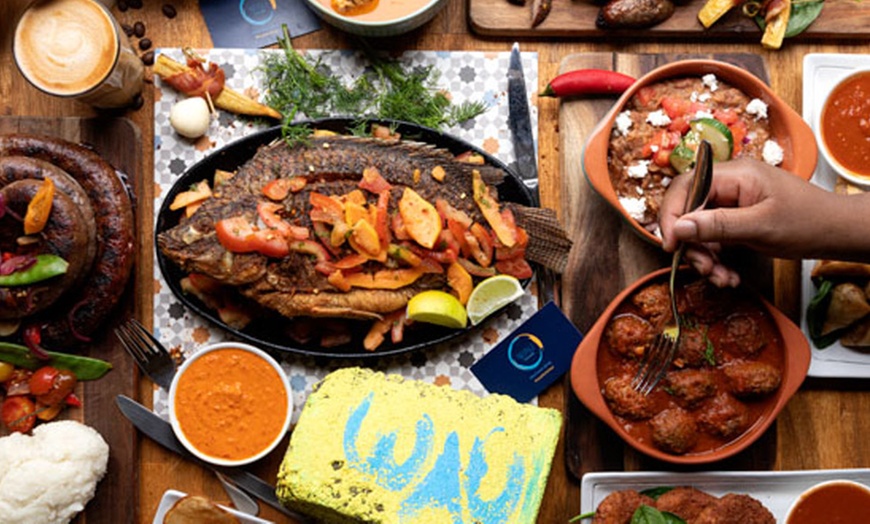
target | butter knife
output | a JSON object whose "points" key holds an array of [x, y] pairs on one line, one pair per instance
{"points": [[161, 432]]}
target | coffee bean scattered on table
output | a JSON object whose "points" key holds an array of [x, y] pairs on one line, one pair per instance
{"points": [[148, 58], [169, 11], [135, 4], [145, 44], [122, 5], [128, 29], [139, 29]]}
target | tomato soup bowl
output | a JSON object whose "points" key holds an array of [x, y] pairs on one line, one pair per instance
{"points": [[842, 138], [372, 25], [839, 500], [787, 128], [589, 389], [230, 404]]}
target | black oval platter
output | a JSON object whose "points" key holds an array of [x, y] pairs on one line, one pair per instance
{"points": [[266, 333]]}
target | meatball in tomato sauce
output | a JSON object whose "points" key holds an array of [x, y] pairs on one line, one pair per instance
{"points": [[752, 378], [674, 430], [629, 335]]}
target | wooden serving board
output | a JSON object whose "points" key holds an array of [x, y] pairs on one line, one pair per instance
{"points": [[608, 255], [840, 19], [118, 141]]}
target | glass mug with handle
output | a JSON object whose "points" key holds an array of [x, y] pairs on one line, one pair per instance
{"points": [[76, 49]]}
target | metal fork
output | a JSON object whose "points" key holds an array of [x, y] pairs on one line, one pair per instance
{"points": [[658, 357], [150, 355]]}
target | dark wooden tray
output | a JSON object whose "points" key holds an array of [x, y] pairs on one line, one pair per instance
{"points": [[840, 19], [117, 140], [608, 256]]}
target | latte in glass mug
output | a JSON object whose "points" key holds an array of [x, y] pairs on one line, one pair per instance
{"points": [[75, 48]]}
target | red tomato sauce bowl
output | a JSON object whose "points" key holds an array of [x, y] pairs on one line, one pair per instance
{"points": [[230, 404], [602, 369], [843, 128]]}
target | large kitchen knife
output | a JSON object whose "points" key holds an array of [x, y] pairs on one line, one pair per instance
{"points": [[161, 432], [520, 124]]}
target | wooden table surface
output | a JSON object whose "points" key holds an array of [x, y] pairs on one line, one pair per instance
{"points": [[824, 426]]}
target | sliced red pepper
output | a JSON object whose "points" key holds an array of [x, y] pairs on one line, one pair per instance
{"points": [[588, 81], [516, 267], [279, 188], [73, 400], [310, 247], [325, 208], [237, 235], [268, 212], [32, 336], [382, 227]]}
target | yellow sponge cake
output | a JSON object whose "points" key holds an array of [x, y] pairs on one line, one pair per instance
{"points": [[377, 448]]}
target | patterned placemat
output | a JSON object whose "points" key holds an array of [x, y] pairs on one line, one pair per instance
{"points": [[466, 76]]}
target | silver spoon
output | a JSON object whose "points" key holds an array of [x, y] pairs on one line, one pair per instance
{"points": [[241, 500]]}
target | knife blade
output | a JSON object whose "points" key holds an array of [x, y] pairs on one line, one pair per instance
{"points": [[520, 124], [161, 432]]}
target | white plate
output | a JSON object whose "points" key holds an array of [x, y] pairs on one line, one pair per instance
{"points": [[775, 489], [821, 72], [171, 497]]}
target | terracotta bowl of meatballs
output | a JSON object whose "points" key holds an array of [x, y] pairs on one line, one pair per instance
{"points": [[650, 134], [738, 362]]}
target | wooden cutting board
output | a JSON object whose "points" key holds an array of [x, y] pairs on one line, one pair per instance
{"points": [[608, 255], [839, 19], [118, 141]]}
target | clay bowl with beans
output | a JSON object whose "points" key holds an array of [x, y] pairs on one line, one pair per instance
{"points": [[650, 134], [738, 363]]}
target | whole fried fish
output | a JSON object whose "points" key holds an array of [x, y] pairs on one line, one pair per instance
{"points": [[302, 282]]}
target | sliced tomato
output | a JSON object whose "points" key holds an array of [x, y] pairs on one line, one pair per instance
{"points": [[381, 220], [397, 224], [373, 181], [458, 232], [18, 413], [270, 243], [675, 107], [325, 208], [726, 116], [645, 95], [42, 380], [738, 134], [278, 189], [661, 140], [268, 212], [516, 267], [484, 244], [679, 125], [448, 212], [350, 261], [233, 234], [517, 250]]}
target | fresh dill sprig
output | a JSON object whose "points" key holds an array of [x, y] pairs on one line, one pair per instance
{"points": [[387, 90]]}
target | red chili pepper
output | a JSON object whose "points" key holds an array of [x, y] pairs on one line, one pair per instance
{"points": [[588, 82], [73, 400], [32, 336]]}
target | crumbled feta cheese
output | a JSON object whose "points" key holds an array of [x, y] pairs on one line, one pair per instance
{"points": [[704, 97], [710, 81], [758, 108], [666, 181], [772, 153], [638, 190], [654, 148], [638, 170], [703, 114], [635, 207], [623, 122], [694, 96], [658, 118]]}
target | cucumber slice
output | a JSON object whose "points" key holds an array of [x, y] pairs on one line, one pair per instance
{"points": [[720, 137], [683, 156]]}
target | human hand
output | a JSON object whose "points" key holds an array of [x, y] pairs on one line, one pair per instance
{"points": [[753, 204]]}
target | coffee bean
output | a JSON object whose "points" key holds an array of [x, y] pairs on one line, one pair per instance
{"points": [[139, 29], [148, 58], [169, 11], [135, 4], [128, 29], [122, 5], [138, 102], [145, 44]]}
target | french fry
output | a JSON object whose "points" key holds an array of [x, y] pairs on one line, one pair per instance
{"points": [[774, 31], [228, 99], [713, 10]]}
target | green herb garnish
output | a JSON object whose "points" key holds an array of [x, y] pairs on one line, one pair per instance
{"points": [[803, 13], [387, 90]]}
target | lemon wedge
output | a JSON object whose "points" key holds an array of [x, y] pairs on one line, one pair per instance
{"points": [[491, 295], [437, 307]]}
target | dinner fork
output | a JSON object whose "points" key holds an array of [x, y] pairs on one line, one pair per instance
{"points": [[150, 355], [658, 357]]}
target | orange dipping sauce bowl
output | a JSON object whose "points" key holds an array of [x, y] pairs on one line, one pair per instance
{"points": [[840, 501], [230, 404], [843, 127]]}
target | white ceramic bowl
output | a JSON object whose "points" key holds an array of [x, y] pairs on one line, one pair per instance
{"points": [[173, 415], [830, 511], [856, 178], [378, 29]]}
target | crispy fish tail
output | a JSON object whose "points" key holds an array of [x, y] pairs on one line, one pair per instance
{"points": [[548, 243]]}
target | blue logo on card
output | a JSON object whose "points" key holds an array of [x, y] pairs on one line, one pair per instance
{"points": [[525, 352]]}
